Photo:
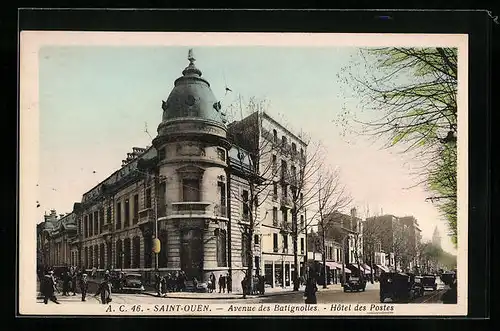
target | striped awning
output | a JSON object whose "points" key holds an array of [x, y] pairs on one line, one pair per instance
{"points": [[383, 268]]}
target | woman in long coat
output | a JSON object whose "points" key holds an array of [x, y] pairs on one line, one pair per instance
{"points": [[105, 291], [310, 291]]}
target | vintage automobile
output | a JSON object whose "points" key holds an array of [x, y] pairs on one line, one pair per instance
{"points": [[417, 289], [354, 284], [126, 282], [396, 287], [448, 277], [429, 282]]}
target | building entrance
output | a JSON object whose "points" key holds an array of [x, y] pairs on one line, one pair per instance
{"points": [[192, 253]]}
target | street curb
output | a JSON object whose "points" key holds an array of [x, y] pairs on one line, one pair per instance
{"points": [[232, 297]]}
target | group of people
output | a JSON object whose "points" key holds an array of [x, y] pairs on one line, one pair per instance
{"points": [[71, 279], [225, 283], [171, 282]]}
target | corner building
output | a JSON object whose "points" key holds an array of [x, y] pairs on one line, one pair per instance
{"points": [[182, 191]]}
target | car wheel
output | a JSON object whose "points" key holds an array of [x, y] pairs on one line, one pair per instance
{"points": [[345, 290]]}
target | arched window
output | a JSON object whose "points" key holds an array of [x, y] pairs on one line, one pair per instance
{"points": [[162, 256], [275, 136], [220, 236], [126, 248], [101, 256], [119, 250], [136, 246]]}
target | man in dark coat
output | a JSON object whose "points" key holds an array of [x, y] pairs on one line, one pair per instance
{"points": [[66, 278], [222, 284], [84, 285], [310, 291], [105, 291], [74, 277], [229, 283], [244, 286], [48, 287]]}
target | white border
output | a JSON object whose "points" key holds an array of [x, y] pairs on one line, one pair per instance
{"points": [[32, 41]]}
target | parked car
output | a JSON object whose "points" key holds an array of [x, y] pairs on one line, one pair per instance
{"points": [[396, 287], [429, 282], [417, 288], [126, 282], [355, 284], [448, 277]]}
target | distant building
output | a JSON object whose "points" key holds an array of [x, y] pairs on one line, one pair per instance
{"points": [[436, 238]]}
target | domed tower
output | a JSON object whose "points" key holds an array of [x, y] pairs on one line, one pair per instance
{"points": [[192, 150]]}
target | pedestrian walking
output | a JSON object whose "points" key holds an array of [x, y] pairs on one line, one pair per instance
{"points": [[222, 284], [229, 283], [66, 278], [84, 286], [74, 278], [164, 284], [158, 284], [310, 291], [244, 286], [48, 288], [105, 291], [212, 282]]}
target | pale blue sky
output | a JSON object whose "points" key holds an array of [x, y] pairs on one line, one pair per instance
{"points": [[95, 101]]}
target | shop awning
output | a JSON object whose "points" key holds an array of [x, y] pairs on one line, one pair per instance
{"points": [[383, 268], [367, 269], [347, 271], [333, 265]]}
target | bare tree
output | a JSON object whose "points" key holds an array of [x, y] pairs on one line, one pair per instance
{"points": [[256, 169], [332, 196]]}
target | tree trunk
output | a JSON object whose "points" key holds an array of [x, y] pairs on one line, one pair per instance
{"points": [[325, 277], [295, 250]]}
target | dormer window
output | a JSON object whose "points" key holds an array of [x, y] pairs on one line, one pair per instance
{"points": [[283, 141], [275, 136]]}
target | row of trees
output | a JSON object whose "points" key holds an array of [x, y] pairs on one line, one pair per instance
{"points": [[409, 97]]}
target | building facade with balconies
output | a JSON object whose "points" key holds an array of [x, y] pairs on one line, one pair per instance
{"points": [[188, 190], [281, 159]]}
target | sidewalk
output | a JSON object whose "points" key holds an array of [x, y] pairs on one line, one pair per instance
{"points": [[269, 292]]}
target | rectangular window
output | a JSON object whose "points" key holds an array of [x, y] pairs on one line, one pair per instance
{"points": [[136, 208], [275, 242], [301, 245], [118, 213], [96, 223], [148, 198], [274, 165], [161, 154], [101, 220], [246, 210], [222, 197], [190, 189], [285, 243], [256, 239], [108, 216], [244, 249], [275, 216], [221, 248], [283, 169], [91, 225], [284, 216], [221, 153], [127, 213], [302, 222]]}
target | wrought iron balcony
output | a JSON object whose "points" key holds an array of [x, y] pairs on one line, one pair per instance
{"points": [[190, 208], [220, 211], [286, 201]]}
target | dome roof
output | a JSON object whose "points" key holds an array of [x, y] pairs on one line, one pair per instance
{"points": [[192, 97]]}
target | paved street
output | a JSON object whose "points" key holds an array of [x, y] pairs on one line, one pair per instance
{"points": [[333, 294]]}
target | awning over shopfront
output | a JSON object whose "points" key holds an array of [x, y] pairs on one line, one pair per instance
{"points": [[383, 268], [368, 270], [333, 265], [347, 271]]}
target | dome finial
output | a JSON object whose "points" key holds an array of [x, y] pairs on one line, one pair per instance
{"points": [[191, 57]]}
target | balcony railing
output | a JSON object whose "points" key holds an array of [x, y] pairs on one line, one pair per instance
{"points": [[274, 197], [220, 210], [285, 201], [189, 208], [106, 227]]}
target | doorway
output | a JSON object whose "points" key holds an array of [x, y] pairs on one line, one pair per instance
{"points": [[192, 253]]}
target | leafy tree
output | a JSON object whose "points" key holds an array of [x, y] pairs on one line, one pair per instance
{"points": [[410, 95]]}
